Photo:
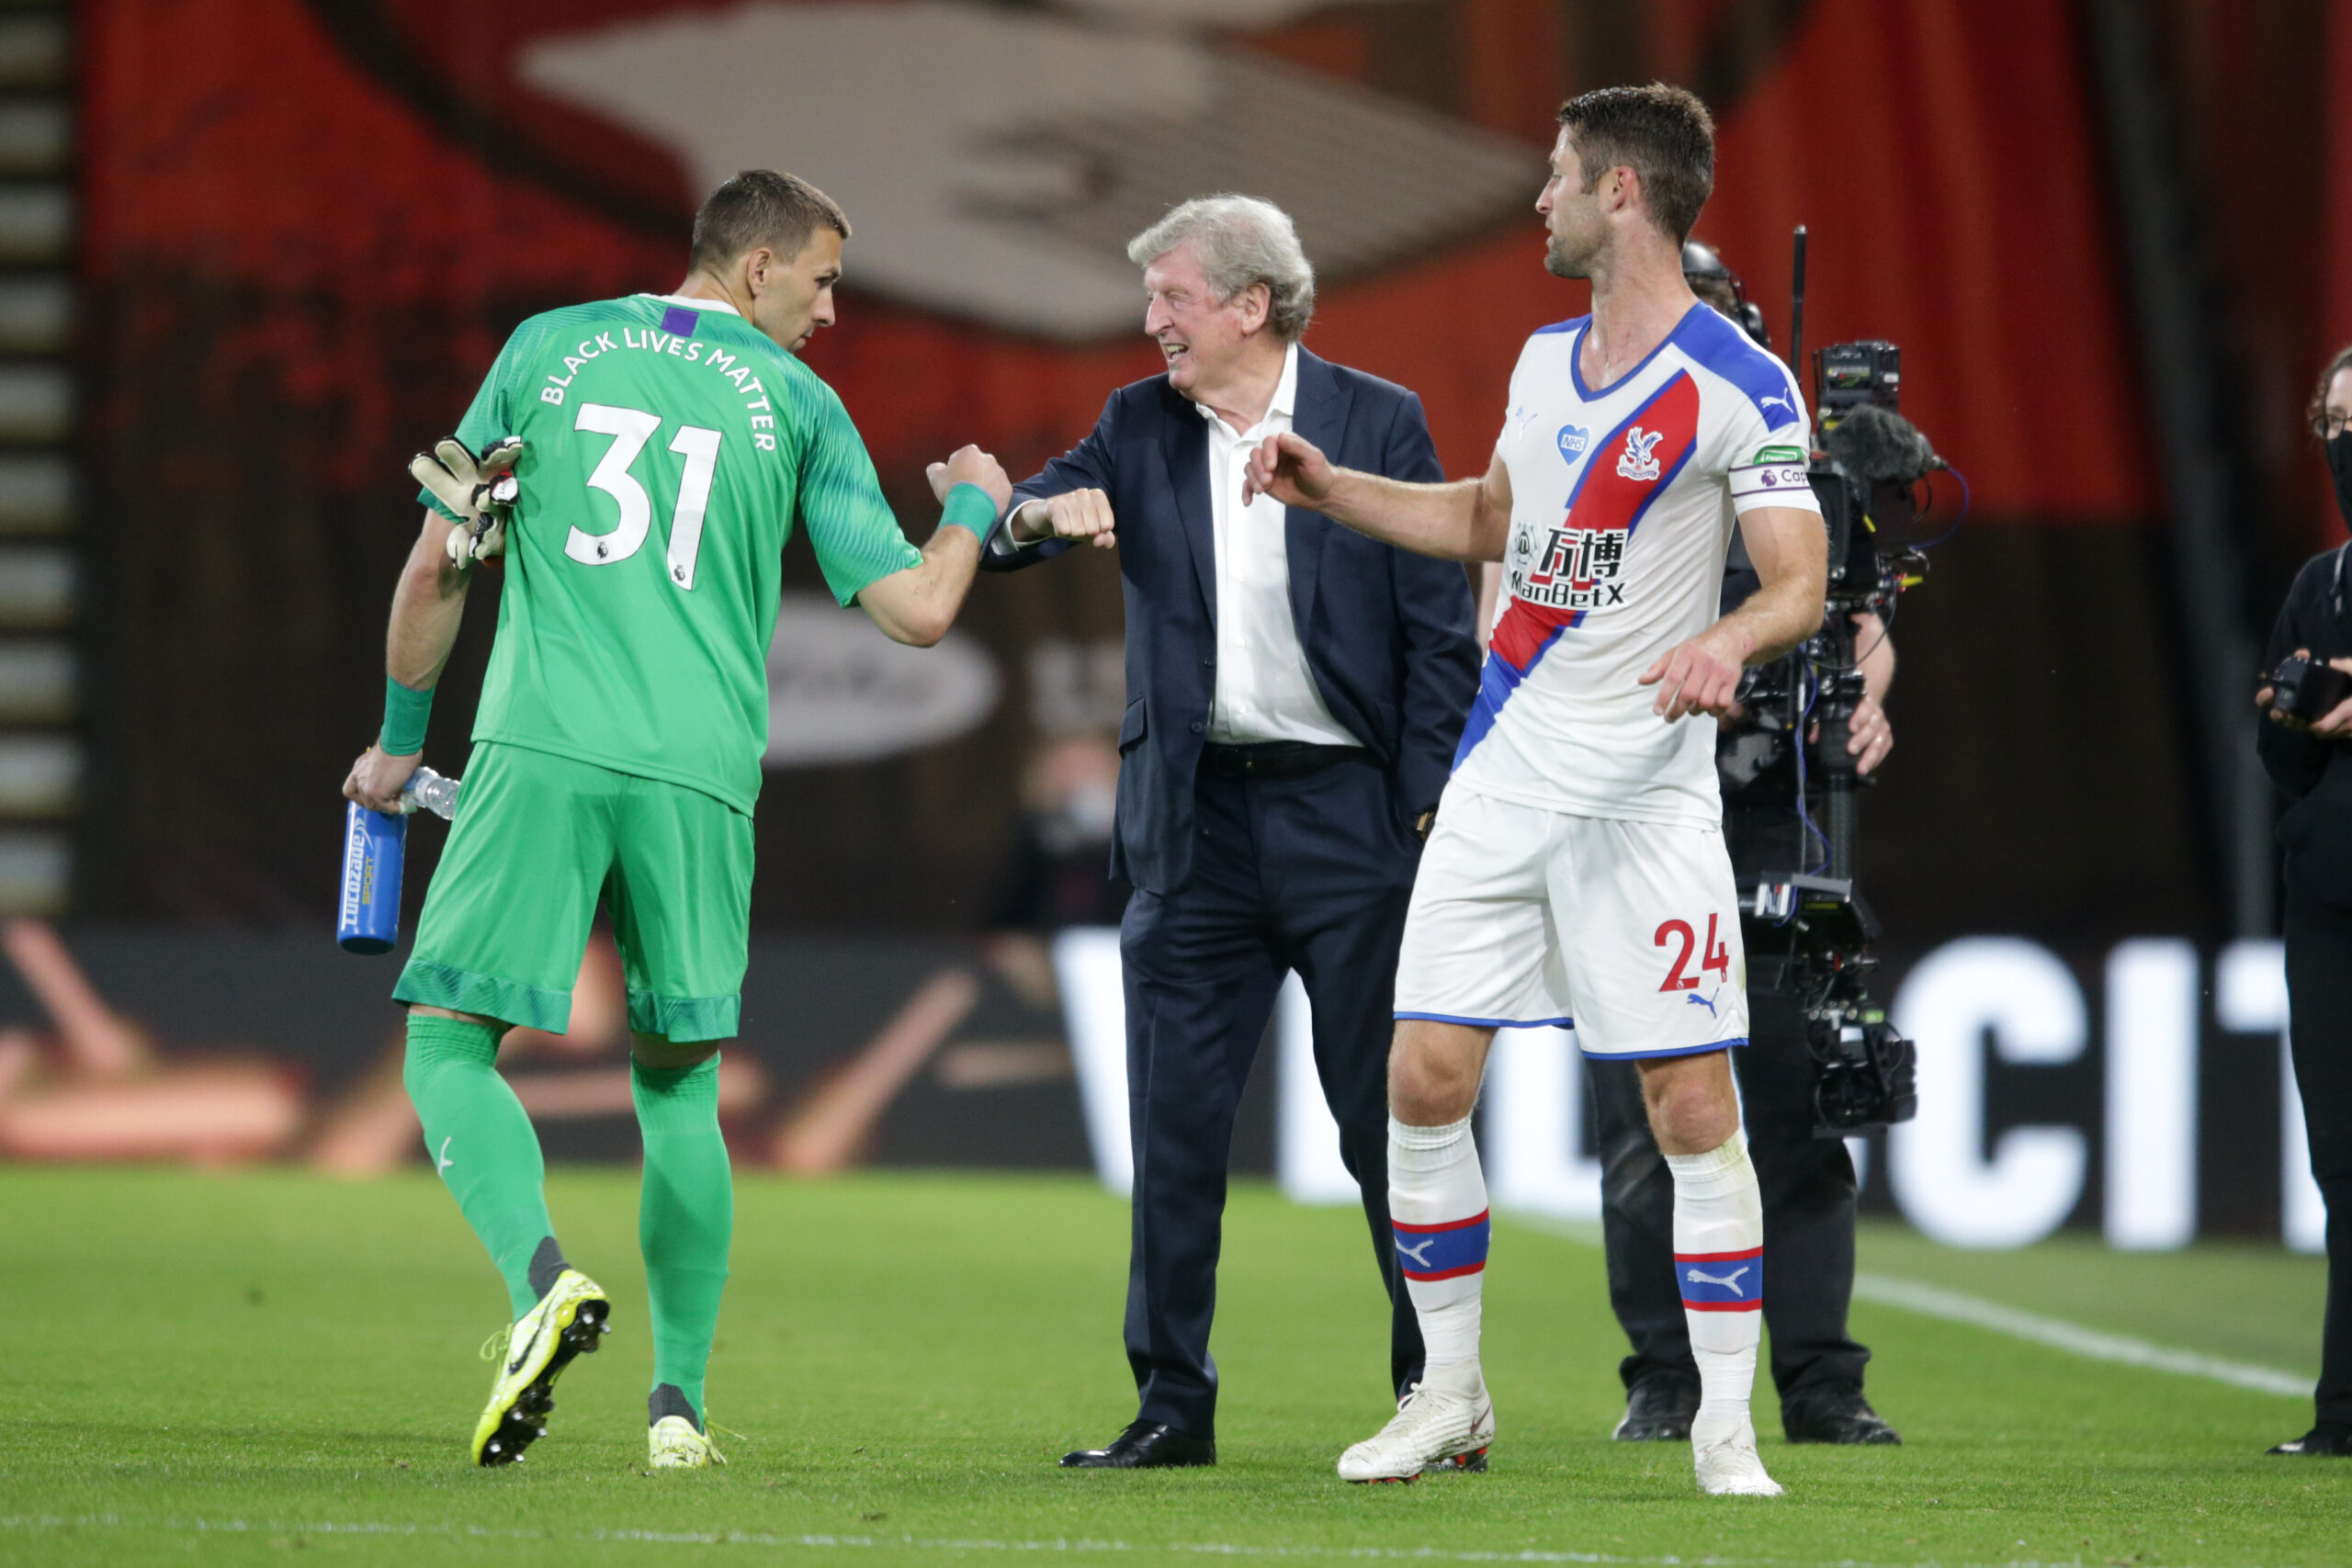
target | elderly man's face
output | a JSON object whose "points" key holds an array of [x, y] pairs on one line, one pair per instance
{"points": [[1201, 335], [1572, 215]]}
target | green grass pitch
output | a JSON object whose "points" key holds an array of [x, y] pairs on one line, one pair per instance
{"points": [[269, 1367]]}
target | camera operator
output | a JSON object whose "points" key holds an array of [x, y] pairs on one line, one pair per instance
{"points": [[2308, 749], [1808, 1183]]}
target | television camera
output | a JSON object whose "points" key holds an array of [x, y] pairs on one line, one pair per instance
{"points": [[1866, 464]]}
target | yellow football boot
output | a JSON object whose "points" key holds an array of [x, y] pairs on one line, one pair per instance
{"points": [[672, 1443], [569, 1321]]}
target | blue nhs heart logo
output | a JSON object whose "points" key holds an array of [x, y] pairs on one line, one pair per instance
{"points": [[1574, 439]]}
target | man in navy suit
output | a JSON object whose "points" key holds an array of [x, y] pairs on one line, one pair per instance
{"points": [[1295, 693]]}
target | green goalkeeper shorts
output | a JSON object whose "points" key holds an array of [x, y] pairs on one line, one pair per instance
{"points": [[538, 840]]}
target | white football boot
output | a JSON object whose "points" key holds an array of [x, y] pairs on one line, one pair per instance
{"points": [[672, 1443], [1440, 1428], [1726, 1459]]}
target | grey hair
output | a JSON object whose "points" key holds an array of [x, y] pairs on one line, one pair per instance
{"points": [[1239, 241]]}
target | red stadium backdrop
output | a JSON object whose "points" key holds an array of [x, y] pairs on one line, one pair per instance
{"points": [[1944, 154], [310, 223]]}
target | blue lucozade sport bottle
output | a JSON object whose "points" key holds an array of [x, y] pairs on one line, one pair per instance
{"points": [[369, 921], [374, 845]]}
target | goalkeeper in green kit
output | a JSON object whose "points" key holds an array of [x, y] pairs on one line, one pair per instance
{"points": [[641, 463]]}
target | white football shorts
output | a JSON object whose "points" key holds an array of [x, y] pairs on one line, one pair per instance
{"points": [[1626, 931]]}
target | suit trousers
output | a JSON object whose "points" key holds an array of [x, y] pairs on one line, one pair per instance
{"points": [[1808, 1188], [2319, 1037], [1310, 874]]}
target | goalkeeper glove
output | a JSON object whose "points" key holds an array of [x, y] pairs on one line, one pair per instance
{"points": [[481, 490]]}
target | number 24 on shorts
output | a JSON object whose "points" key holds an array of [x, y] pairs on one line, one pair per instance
{"points": [[1713, 955]]}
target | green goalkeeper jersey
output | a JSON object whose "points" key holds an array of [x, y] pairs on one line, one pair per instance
{"points": [[668, 446]]}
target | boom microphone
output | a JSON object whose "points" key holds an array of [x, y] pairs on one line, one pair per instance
{"points": [[1876, 444]]}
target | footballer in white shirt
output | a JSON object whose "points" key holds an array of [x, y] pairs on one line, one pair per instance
{"points": [[1576, 871]]}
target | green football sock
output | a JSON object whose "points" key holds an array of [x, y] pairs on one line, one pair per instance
{"points": [[482, 1141], [684, 1218]]}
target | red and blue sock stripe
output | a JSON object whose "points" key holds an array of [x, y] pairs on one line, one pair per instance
{"points": [[1721, 1281], [1444, 1251]]}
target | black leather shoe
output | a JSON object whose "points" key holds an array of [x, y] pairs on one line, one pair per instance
{"points": [[1833, 1413], [1145, 1445], [2326, 1439], [1658, 1410]]}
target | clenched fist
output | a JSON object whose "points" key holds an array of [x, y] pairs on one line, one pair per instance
{"points": [[971, 465], [1290, 468], [1073, 514]]}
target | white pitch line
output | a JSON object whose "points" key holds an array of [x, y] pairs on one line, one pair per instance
{"points": [[1935, 1302], [1060, 1546]]}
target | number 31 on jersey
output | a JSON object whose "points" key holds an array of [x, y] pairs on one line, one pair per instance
{"points": [[630, 430]]}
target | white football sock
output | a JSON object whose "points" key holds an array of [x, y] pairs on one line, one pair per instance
{"points": [[1437, 1203], [1719, 1267]]}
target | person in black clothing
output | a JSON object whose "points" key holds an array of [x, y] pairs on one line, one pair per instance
{"points": [[2310, 761], [1808, 1183], [1054, 880]]}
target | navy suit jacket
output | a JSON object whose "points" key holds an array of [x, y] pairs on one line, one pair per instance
{"points": [[1388, 634]]}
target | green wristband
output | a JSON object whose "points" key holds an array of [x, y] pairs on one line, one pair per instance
{"points": [[969, 506], [405, 711]]}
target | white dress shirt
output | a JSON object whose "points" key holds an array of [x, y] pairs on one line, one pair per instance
{"points": [[1264, 689]]}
